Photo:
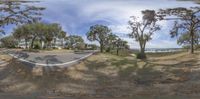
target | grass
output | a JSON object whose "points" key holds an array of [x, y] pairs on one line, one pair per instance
{"points": [[5, 57], [108, 76]]}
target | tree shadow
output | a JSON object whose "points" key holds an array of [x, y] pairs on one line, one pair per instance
{"points": [[48, 59], [22, 55], [95, 77], [16, 68]]}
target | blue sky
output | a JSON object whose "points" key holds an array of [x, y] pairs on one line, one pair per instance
{"points": [[76, 16]]}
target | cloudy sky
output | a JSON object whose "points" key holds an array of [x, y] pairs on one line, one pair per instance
{"points": [[76, 16]]}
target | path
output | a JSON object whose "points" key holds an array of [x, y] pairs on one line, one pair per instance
{"points": [[50, 59]]}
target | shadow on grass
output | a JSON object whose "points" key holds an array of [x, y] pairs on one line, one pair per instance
{"points": [[49, 59], [108, 78]]}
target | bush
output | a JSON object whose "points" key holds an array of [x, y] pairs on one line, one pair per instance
{"points": [[108, 50], [54, 47], [37, 46], [141, 56], [80, 46]]}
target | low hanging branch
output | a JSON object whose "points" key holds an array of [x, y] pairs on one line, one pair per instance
{"points": [[18, 12], [186, 20]]}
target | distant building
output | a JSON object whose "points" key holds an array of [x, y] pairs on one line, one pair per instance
{"points": [[22, 44], [59, 43], [55, 43]]}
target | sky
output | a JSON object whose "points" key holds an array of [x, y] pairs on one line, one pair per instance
{"points": [[76, 17]]}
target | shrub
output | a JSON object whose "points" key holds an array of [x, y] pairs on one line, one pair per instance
{"points": [[54, 47], [108, 50], [141, 56], [37, 46]]}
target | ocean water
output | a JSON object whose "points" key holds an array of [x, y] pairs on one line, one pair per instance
{"points": [[159, 50]]}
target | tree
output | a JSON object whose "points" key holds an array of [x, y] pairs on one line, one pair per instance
{"points": [[22, 32], [29, 32], [74, 41], [8, 42], [50, 32], [62, 36], [187, 20], [110, 41], [185, 40], [142, 31], [99, 33], [91, 46], [120, 44], [18, 12], [80, 46], [39, 31]]}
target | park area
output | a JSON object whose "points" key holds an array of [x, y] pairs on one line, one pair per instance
{"points": [[106, 76], [99, 49]]}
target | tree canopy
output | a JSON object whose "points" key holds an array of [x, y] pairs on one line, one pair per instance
{"points": [[18, 12], [41, 31], [8, 41], [142, 31], [74, 41], [186, 20], [98, 33]]}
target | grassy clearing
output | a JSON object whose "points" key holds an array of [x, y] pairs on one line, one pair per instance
{"points": [[108, 76]]}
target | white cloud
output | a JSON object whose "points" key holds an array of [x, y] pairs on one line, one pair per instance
{"points": [[120, 28], [77, 15]]}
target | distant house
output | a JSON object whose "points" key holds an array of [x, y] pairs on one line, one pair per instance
{"points": [[22, 44], [55, 43], [59, 43], [91, 46]]}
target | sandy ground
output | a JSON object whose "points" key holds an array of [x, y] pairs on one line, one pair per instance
{"points": [[106, 76]]}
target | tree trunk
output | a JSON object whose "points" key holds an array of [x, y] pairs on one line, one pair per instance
{"points": [[26, 45], [101, 47], [142, 54], [192, 43], [49, 44], [42, 47], [142, 50], [117, 51], [62, 43], [32, 42]]}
